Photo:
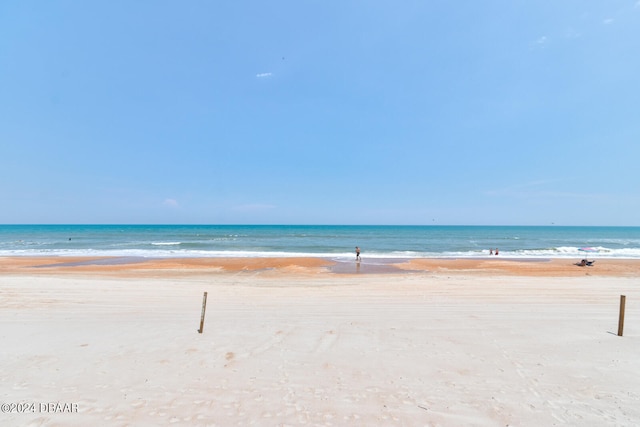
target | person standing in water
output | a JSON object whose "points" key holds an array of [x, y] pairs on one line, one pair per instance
{"points": [[357, 254]]}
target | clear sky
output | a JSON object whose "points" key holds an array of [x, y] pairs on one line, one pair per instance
{"points": [[320, 112]]}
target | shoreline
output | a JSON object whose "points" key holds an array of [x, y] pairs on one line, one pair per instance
{"points": [[123, 266]]}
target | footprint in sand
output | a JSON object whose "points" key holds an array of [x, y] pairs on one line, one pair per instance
{"points": [[327, 341], [269, 343]]}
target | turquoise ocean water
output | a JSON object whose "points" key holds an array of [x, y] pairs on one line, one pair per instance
{"points": [[330, 241]]}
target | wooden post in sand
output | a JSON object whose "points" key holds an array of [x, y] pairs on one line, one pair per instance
{"points": [[204, 307], [621, 317]]}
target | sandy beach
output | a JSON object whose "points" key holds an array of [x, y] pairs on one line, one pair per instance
{"points": [[308, 341]]}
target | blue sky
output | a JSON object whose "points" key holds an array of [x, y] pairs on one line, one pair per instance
{"points": [[315, 112]]}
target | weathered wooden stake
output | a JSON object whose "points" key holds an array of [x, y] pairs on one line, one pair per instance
{"points": [[621, 317], [204, 307]]}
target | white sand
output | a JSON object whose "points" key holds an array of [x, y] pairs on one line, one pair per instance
{"points": [[407, 350]]}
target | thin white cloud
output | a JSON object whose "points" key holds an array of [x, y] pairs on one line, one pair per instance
{"points": [[172, 203], [263, 75], [572, 34], [608, 21], [540, 42]]}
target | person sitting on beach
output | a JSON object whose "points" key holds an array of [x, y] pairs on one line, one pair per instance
{"points": [[583, 263]]}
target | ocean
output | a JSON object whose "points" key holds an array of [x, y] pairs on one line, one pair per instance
{"points": [[329, 241]]}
